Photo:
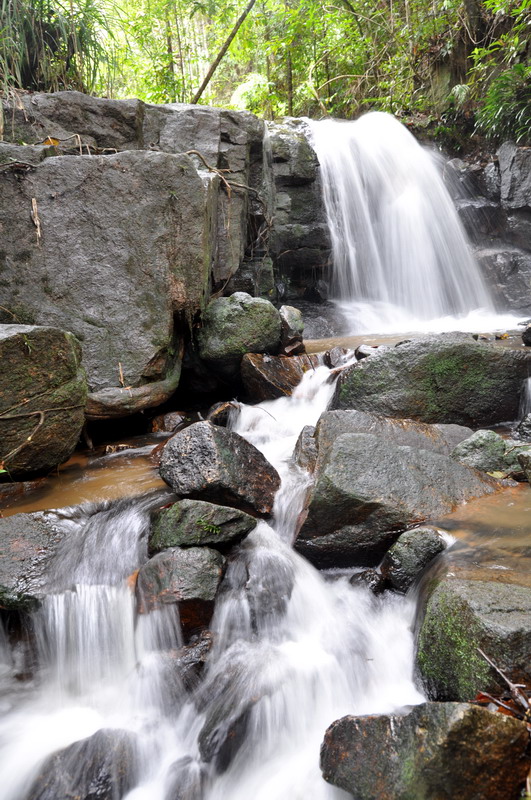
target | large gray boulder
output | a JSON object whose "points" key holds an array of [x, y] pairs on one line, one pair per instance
{"points": [[448, 378], [74, 120], [192, 523], [458, 617], [228, 140], [515, 173], [206, 462], [43, 393], [369, 489], [440, 439], [507, 270], [188, 577], [235, 325], [117, 247], [439, 751]]}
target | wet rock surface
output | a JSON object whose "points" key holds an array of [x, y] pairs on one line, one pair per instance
{"points": [[268, 377], [448, 378], [440, 439], [185, 780], [43, 392], [439, 751], [368, 489], [194, 523], [28, 542], [462, 615], [210, 463], [291, 343], [189, 577], [410, 555], [102, 767], [490, 452]]}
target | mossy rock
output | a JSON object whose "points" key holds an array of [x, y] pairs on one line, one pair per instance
{"points": [[192, 523], [448, 378], [43, 393], [239, 324], [462, 616]]}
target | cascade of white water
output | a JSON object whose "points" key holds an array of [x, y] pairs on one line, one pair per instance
{"points": [[292, 650], [525, 400], [400, 255]]}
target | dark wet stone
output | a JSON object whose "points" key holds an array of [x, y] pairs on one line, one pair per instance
{"points": [[210, 463], [102, 767], [410, 555], [369, 578], [305, 452], [439, 751], [188, 577]]}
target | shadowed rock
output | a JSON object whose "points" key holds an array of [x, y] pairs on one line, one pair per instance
{"points": [[102, 767], [188, 577], [410, 555], [439, 751]]}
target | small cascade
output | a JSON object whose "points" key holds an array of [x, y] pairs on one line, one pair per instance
{"points": [[525, 400], [400, 256], [293, 650]]}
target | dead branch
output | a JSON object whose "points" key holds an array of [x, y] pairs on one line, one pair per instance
{"points": [[517, 695]]}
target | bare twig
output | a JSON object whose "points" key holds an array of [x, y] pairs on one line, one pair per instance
{"points": [[35, 218], [518, 696]]}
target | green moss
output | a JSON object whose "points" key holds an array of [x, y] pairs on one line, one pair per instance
{"points": [[445, 379], [16, 601], [447, 649]]}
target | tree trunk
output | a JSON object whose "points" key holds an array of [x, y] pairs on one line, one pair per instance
{"points": [[223, 50]]}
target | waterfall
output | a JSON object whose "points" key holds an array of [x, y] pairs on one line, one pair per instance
{"points": [[400, 256], [293, 649]]}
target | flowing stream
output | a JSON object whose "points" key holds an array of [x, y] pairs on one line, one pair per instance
{"points": [[401, 261], [293, 650]]}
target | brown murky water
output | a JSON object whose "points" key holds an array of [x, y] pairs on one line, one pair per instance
{"points": [[513, 341], [493, 533], [89, 477], [494, 537]]}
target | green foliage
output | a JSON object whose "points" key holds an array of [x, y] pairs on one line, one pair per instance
{"points": [[48, 45], [208, 527], [506, 110]]}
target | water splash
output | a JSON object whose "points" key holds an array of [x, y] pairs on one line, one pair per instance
{"points": [[401, 262], [292, 651]]}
